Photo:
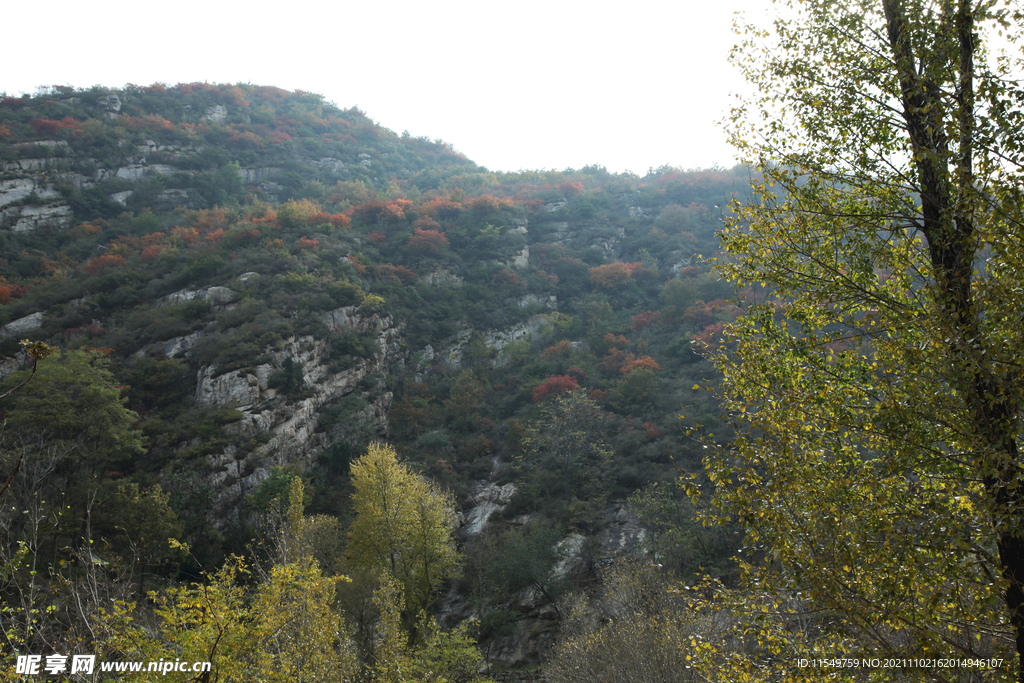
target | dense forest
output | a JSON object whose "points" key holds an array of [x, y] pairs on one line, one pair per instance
{"points": [[253, 291]]}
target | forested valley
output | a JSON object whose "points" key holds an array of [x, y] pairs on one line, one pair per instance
{"points": [[291, 397]]}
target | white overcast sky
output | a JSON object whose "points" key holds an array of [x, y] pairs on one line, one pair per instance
{"points": [[513, 85]]}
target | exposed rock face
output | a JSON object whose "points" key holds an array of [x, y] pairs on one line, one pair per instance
{"points": [[177, 347], [26, 165], [335, 166], [110, 105], [251, 176], [136, 172], [218, 296], [623, 535], [499, 339], [291, 424], [13, 364], [217, 113], [15, 190], [452, 351], [562, 232], [486, 498], [22, 326], [33, 217], [442, 277], [522, 259], [550, 302]]}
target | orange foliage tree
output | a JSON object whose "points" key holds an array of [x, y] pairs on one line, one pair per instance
{"points": [[562, 348], [427, 241], [610, 275], [571, 188], [645, 362]]}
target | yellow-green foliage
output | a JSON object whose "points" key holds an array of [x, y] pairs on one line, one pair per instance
{"points": [[283, 630], [879, 395], [403, 526]]}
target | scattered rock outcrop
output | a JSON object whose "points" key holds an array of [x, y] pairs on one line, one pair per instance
{"points": [[486, 498], [290, 424]]}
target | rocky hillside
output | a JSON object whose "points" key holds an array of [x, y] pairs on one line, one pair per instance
{"points": [[275, 282]]}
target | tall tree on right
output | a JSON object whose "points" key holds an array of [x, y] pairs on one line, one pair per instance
{"points": [[878, 378]]}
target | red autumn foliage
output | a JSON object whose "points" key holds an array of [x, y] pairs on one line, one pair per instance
{"points": [[357, 265], [150, 253], [306, 243], [4, 131], [689, 271], [613, 361], [101, 263], [378, 237], [8, 292], [641, 321], [639, 270], [186, 235], [93, 329], [442, 209], [706, 335], [427, 223], [427, 241], [214, 237], [368, 212], [571, 188], [555, 385], [578, 374], [14, 103], [48, 127], [507, 281], [245, 140], [151, 122], [562, 348], [247, 236], [599, 395], [392, 273]]}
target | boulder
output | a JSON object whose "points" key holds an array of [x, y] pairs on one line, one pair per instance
{"points": [[22, 326]]}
